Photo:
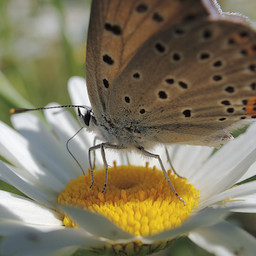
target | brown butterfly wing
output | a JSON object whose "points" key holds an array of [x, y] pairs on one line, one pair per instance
{"points": [[190, 85], [118, 29], [169, 71]]}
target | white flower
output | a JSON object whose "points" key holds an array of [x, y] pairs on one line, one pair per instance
{"points": [[40, 167]]}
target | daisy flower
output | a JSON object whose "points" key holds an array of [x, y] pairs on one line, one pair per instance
{"points": [[138, 214]]}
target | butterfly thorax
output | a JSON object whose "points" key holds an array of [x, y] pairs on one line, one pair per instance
{"points": [[125, 136]]}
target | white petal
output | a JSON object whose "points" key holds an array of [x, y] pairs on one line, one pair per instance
{"points": [[50, 152], [126, 156], [227, 165], [224, 239], [138, 159], [78, 92], [29, 187], [243, 204], [243, 190], [250, 173], [224, 174], [66, 251], [203, 218], [135, 157], [187, 159], [16, 149], [65, 126], [9, 227], [98, 225], [194, 156], [14, 207], [31, 242]]}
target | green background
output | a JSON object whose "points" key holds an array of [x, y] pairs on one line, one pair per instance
{"points": [[42, 44]]}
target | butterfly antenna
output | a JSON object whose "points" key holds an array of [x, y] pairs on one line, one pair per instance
{"points": [[21, 110], [67, 146]]}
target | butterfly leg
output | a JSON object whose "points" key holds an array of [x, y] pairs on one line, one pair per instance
{"points": [[170, 163], [102, 147], [94, 152], [146, 153], [92, 149], [92, 167]]}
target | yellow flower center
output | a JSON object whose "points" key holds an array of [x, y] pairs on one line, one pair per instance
{"points": [[137, 199]]}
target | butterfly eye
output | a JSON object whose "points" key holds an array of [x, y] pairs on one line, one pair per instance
{"points": [[86, 118]]}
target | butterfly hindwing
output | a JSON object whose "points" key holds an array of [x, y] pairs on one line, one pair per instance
{"points": [[198, 83], [176, 71]]}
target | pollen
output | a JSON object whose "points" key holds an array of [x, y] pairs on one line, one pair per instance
{"points": [[137, 199]]}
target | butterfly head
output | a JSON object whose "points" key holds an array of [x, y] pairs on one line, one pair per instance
{"points": [[87, 119]]}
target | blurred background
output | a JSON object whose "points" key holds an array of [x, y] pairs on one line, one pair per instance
{"points": [[42, 44]]}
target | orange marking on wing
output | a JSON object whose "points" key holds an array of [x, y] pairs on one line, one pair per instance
{"points": [[250, 50], [251, 106], [240, 40]]}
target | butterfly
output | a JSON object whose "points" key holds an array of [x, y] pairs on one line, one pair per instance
{"points": [[167, 72]]}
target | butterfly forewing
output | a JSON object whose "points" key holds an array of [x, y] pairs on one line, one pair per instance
{"points": [[118, 29]]}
